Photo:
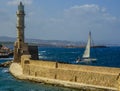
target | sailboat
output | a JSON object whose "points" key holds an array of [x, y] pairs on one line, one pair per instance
{"points": [[86, 56]]}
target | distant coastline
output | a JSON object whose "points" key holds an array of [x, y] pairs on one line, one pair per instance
{"points": [[71, 46], [98, 46], [56, 45]]}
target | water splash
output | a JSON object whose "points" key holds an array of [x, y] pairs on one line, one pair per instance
{"points": [[5, 70]]}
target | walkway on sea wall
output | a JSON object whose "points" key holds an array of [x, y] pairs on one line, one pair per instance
{"points": [[75, 76]]}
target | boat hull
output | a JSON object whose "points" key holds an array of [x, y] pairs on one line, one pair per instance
{"points": [[86, 60]]}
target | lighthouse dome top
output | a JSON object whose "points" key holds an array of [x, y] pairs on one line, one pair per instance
{"points": [[21, 7]]}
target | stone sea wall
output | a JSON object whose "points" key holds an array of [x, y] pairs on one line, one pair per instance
{"points": [[98, 76]]}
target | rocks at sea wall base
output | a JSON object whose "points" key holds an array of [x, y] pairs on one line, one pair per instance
{"points": [[6, 64]]}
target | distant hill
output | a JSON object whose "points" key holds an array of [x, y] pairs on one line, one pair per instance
{"points": [[52, 43], [44, 42], [7, 39]]}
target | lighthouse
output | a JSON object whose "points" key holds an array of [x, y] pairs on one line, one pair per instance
{"points": [[20, 24], [20, 47]]}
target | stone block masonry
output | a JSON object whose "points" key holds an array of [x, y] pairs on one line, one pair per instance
{"points": [[101, 77]]}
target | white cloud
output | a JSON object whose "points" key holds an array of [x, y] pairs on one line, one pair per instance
{"points": [[77, 21], [73, 23], [83, 9], [16, 2]]}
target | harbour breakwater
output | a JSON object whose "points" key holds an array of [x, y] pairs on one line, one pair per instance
{"points": [[75, 76]]}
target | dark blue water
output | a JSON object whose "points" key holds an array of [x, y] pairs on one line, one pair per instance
{"points": [[105, 57], [109, 56]]}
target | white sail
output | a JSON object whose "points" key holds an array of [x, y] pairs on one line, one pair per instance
{"points": [[86, 56], [87, 50]]}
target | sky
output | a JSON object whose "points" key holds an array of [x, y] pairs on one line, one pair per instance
{"points": [[64, 19]]}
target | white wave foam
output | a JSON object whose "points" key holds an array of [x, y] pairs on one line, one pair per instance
{"points": [[40, 57], [39, 54], [5, 70], [42, 51]]}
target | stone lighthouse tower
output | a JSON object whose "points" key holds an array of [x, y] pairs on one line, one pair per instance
{"points": [[20, 24], [20, 47]]}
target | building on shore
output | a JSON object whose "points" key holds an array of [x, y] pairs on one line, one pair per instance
{"points": [[26, 66], [5, 52]]}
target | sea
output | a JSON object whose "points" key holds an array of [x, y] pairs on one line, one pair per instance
{"points": [[106, 57]]}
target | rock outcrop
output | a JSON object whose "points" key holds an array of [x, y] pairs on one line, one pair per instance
{"points": [[6, 64]]}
